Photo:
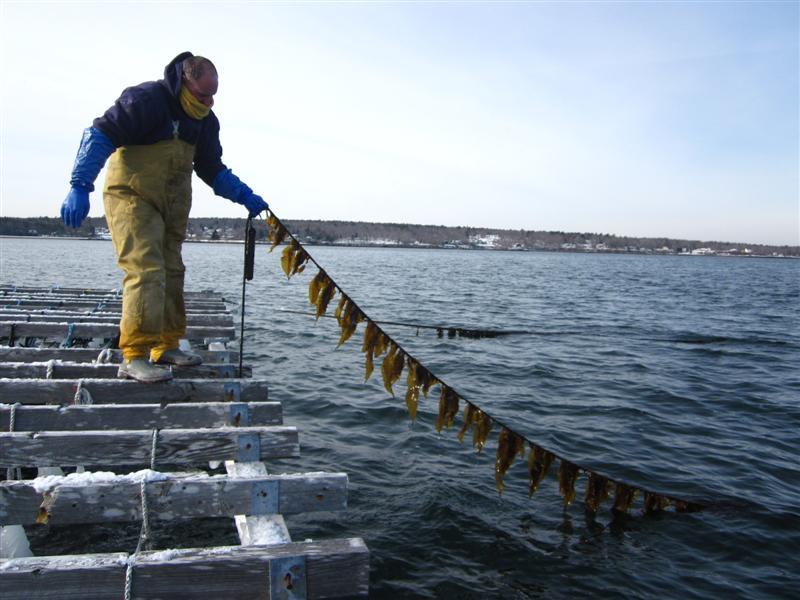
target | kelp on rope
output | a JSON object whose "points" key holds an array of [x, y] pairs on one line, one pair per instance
{"points": [[376, 343]]}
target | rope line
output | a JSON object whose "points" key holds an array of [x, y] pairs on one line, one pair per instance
{"points": [[145, 537], [248, 233], [440, 329], [70, 332], [153, 450], [82, 395], [510, 442], [143, 542], [12, 418], [12, 421], [129, 576], [76, 399]]}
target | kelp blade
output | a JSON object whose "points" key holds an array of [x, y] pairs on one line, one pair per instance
{"points": [[509, 444], [539, 461], [349, 318], [597, 491], [624, 497], [326, 294], [412, 387], [392, 367], [483, 425], [448, 407], [470, 412], [655, 502], [567, 475], [276, 231], [315, 285]]}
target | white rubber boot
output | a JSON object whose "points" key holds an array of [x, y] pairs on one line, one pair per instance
{"points": [[143, 370], [179, 358]]}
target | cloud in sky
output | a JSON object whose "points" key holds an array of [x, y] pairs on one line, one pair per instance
{"points": [[649, 119]]}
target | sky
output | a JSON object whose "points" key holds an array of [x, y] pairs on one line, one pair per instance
{"points": [[653, 119]]}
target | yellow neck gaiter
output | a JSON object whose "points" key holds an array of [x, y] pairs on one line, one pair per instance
{"points": [[192, 106]]}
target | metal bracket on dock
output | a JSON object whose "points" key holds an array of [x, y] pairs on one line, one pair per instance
{"points": [[232, 391], [264, 498], [227, 371], [287, 578], [249, 448], [240, 414]]}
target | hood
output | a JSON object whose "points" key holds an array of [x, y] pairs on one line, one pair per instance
{"points": [[173, 73]]}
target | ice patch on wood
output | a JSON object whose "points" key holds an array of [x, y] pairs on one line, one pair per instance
{"points": [[264, 530], [89, 478], [14, 542]]}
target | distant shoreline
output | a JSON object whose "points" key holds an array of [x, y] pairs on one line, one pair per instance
{"points": [[399, 235], [425, 247]]}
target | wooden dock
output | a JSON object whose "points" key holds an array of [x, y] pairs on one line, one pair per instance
{"points": [[145, 452]]}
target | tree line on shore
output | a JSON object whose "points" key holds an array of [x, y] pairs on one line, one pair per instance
{"points": [[406, 235]]}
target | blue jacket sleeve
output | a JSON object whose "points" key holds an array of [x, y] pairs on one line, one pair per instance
{"points": [[93, 152], [230, 187], [208, 153]]}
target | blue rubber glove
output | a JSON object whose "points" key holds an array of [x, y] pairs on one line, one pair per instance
{"points": [[254, 204], [93, 152], [75, 207], [229, 186]]}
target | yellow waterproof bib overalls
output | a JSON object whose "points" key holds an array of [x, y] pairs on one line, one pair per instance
{"points": [[147, 197]]}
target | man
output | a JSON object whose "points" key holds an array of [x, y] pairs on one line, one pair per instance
{"points": [[156, 133]]}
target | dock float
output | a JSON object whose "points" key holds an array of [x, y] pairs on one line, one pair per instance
{"points": [[149, 453]]}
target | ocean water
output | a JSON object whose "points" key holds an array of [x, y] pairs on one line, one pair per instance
{"points": [[679, 374]]}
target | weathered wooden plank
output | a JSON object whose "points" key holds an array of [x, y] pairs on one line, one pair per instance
{"points": [[104, 308], [101, 417], [8, 289], [70, 370], [253, 528], [92, 304], [69, 317], [74, 306], [192, 320], [127, 391], [21, 329], [89, 355], [88, 303], [104, 498], [173, 447], [73, 577], [95, 296], [117, 294], [334, 569]]}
